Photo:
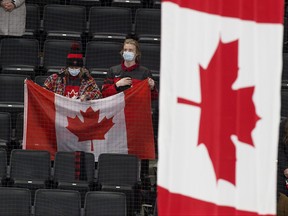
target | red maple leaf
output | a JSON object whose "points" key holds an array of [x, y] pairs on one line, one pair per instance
{"points": [[224, 111], [90, 128]]}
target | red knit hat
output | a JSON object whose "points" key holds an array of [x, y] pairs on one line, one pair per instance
{"points": [[75, 57]]}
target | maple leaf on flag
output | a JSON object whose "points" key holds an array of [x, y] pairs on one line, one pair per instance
{"points": [[90, 128], [224, 111]]}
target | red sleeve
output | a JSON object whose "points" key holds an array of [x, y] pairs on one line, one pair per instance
{"points": [[109, 88], [154, 94]]}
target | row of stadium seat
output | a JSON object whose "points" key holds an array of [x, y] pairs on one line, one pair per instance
{"points": [[23, 56], [54, 202], [32, 169], [89, 3], [103, 22]]}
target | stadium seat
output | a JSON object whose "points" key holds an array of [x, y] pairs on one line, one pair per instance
{"points": [[55, 54], [150, 58], [64, 21], [101, 55], [5, 130], [156, 4], [86, 3], [120, 173], [19, 55], [32, 20], [65, 171], [40, 79], [12, 93], [42, 3], [30, 169], [54, 202], [110, 23], [3, 166], [19, 129], [155, 211], [99, 81], [148, 24], [104, 203], [133, 4], [15, 201]]}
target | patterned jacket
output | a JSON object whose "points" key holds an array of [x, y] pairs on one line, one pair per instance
{"points": [[57, 83]]}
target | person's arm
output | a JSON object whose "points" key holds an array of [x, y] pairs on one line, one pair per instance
{"points": [[50, 82], [109, 86], [92, 91]]}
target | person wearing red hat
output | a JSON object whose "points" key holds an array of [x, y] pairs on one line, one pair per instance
{"points": [[74, 81]]}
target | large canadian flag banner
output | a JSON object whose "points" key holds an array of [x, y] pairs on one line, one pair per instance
{"points": [[221, 63], [120, 123]]}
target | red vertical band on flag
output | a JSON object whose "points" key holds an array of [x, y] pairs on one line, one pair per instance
{"points": [[177, 204], [40, 119], [140, 138], [262, 11]]}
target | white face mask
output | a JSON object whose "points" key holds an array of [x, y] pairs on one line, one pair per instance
{"points": [[74, 72], [128, 56]]}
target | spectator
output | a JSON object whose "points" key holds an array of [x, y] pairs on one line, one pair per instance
{"points": [[129, 72], [74, 81], [282, 176], [123, 76], [12, 17]]}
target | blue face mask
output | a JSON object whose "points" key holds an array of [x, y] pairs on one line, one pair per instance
{"points": [[74, 72], [128, 56]]}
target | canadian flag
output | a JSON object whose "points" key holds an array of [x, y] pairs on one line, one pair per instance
{"points": [[221, 64], [121, 123]]}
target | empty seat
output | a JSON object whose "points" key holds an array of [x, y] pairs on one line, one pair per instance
{"points": [[150, 57], [40, 79], [12, 93], [156, 4], [54, 202], [55, 54], [133, 4], [111, 23], [32, 20], [5, 130], [155, 211], [104, 203], [19, 128], [15, 201], [3, 166], [19, 55], [64, 21], [101, 55], [74, 171], [120, 173], [148, 24], [42, 3], [86, 3], [30, 169]]}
